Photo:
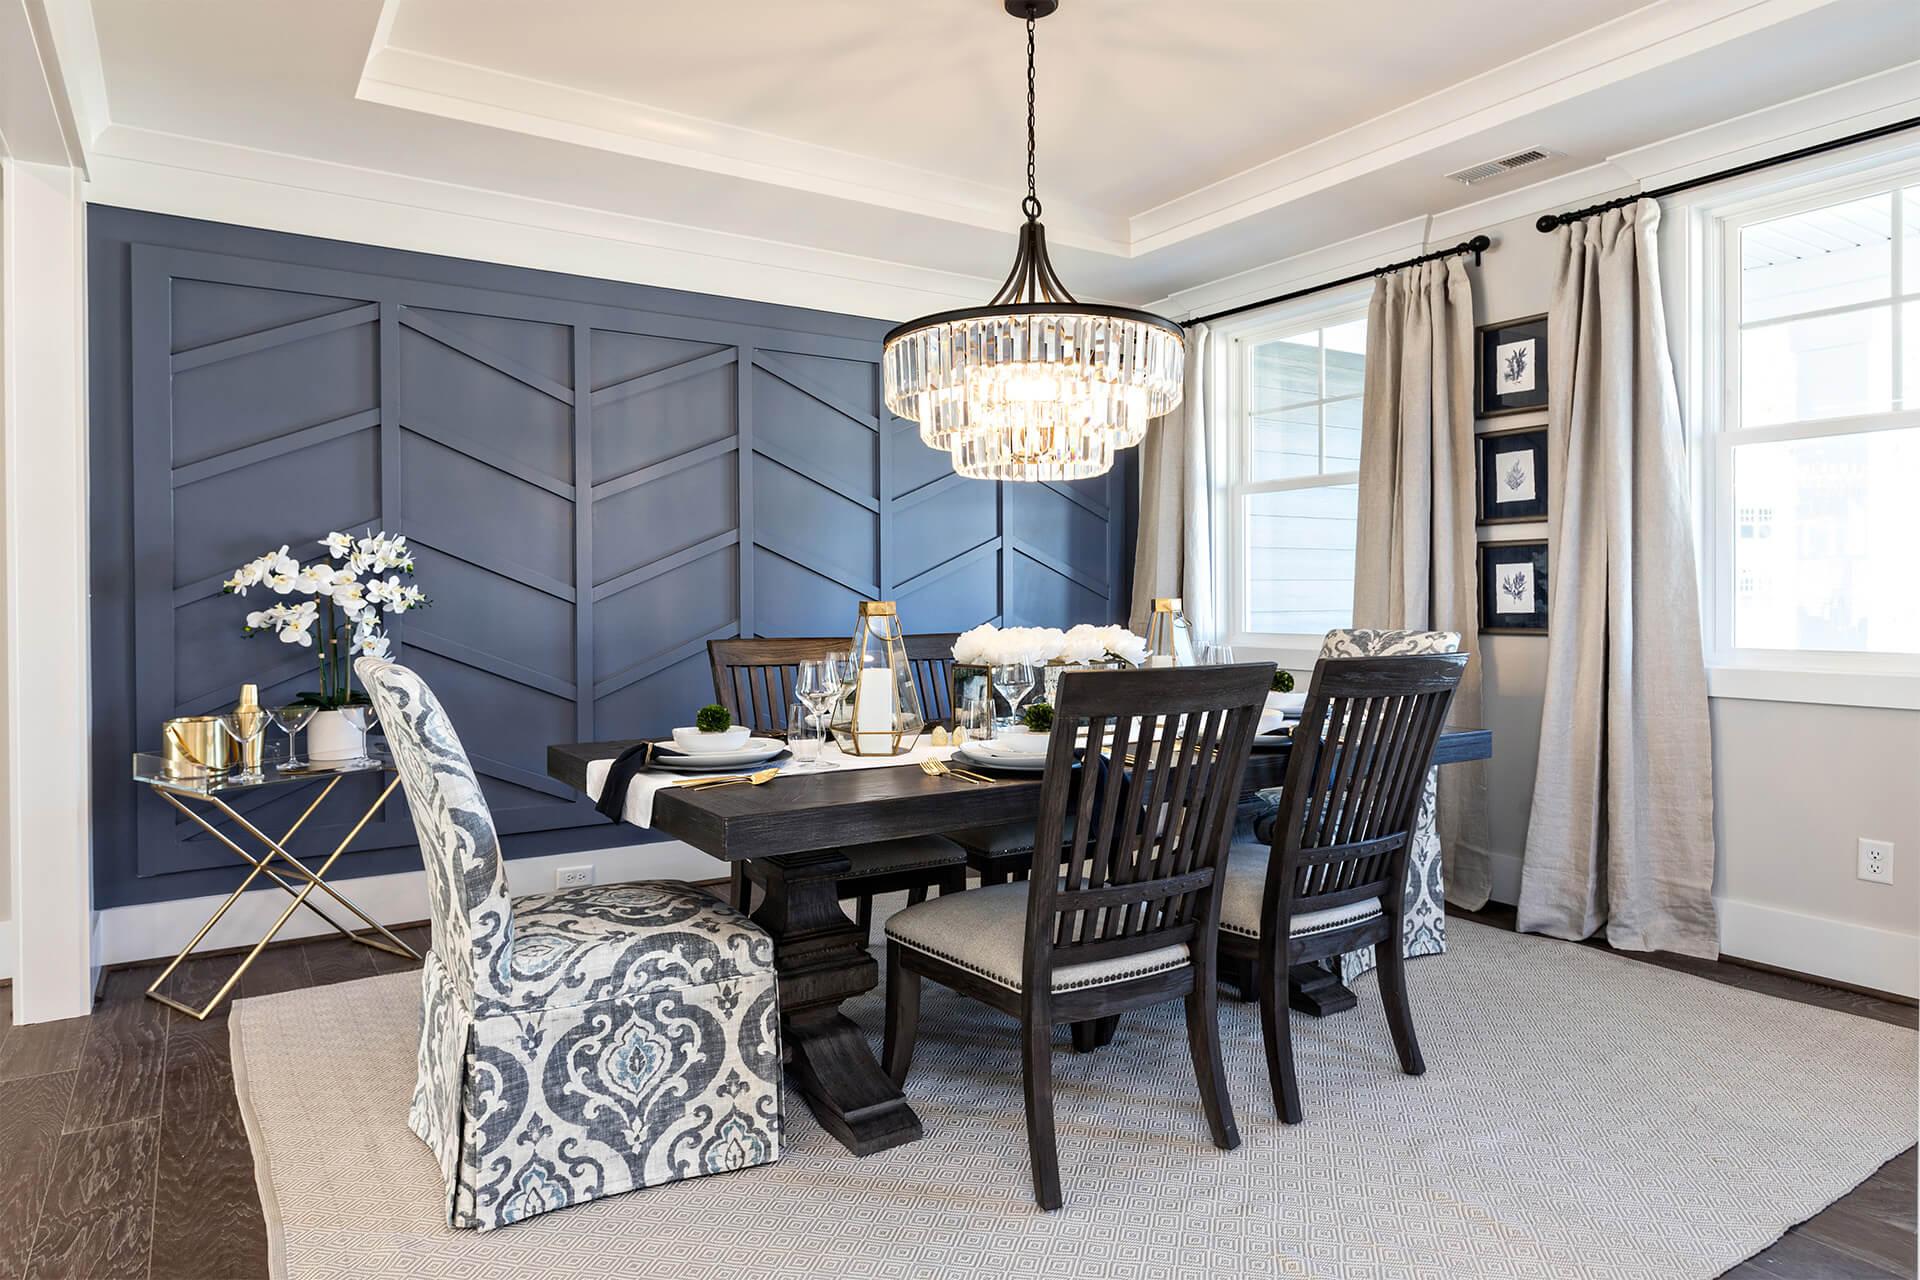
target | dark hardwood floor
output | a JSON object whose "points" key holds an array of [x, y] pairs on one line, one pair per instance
{"points": [[122, 1151]]}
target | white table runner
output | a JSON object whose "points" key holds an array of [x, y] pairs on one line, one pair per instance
{"points": [[648, 782]]}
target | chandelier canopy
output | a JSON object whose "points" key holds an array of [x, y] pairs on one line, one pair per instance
{"points": [[1034, 385]]}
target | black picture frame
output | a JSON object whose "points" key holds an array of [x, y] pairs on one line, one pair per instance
{"points": [[1495, 348], [1511, 461], [1513, 575]]}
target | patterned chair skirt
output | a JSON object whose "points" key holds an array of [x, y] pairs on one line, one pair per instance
{"points": [[649, 1079]]}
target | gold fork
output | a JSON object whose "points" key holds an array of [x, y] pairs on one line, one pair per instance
{"points": [[939, 769], [757, 779]]}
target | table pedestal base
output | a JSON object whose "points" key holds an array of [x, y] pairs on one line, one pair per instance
{"points": [[823, 961], [1312, 988]]}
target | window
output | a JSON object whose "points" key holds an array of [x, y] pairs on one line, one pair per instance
{"points": [[1292, 468], [1815, 468]]}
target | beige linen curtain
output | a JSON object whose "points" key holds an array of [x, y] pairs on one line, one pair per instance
{"points": [[1416, 553], [1622, 826], [1173, 549]]}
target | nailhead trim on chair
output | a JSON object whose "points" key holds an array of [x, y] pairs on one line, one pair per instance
{"points": [[998, 981], [1327, 926]]}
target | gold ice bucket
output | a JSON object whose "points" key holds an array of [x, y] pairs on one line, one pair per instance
{"points": [[193, 745]]}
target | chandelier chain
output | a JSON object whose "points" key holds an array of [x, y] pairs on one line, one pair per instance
{"points": [[1031, 205]]}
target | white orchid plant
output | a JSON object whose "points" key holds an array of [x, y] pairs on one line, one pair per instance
{"points": [[991, 646], [348, 591]]}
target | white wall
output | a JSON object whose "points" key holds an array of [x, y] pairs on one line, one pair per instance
{"points": [[1796, 784]]}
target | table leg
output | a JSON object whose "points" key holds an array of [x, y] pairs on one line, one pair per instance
{"points": [[1314, 989], [823, 961]]}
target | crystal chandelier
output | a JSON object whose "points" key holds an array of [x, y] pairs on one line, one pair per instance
{"points": [[1034, 385]]}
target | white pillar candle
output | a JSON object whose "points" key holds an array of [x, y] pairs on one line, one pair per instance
{"points": [[873, 723]]}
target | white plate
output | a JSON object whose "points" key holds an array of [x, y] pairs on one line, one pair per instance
{"points": [[1023, 745], [1017, 764], [757, 749]]}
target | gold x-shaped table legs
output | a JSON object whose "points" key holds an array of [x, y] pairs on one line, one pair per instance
{"points": [[261, 866]]}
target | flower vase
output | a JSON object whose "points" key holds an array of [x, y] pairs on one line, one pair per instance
{"points": [[333, 736]]}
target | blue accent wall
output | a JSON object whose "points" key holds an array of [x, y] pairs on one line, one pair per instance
{"points": [[596, 477]]}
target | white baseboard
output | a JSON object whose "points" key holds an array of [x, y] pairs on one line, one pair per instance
{"points": [[1818, 946], [1857, 954], [152, 930]]}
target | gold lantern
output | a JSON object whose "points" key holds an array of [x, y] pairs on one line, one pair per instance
{"points": [[1169, 635], [880, 713]]}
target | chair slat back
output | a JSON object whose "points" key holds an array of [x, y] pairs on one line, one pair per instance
{"points": [[931, 657], [1361, 752], [1152, 803], [754, 679]]}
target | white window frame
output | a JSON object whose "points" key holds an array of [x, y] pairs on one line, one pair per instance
{"points": [[1708, 268], [1231, 447]]}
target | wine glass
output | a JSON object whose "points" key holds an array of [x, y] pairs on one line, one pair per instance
{"points": [[1015, 681], [1216, 655], [291, 720], [817, 683], [806, 736]]}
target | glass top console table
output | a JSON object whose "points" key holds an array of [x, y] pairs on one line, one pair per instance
{"points": [[199, 790]]}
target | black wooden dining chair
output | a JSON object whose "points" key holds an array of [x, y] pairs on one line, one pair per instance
{"points": [[1133, 920], [754, 679], [1334, 879]]}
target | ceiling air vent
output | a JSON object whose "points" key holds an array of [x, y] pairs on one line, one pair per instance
{"points": [[1505, 164]]}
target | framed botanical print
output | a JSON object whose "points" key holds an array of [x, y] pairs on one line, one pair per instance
{"points": [[1513, 475], [1510, 374], [1513, 588]]}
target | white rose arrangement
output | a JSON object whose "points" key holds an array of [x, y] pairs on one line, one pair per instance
{"points": [[992, 646], [348, 591]]}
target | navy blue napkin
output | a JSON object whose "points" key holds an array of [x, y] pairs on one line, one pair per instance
{"points": [[613, 797]]}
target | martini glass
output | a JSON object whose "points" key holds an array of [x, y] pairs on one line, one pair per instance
{"points": [[291, 720]]}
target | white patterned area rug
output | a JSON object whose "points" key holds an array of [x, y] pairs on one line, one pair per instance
{"points": [[1582, 1115]]}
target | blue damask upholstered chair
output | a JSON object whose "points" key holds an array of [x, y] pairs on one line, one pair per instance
{"points": [[574, 1044], [1426, 931]]}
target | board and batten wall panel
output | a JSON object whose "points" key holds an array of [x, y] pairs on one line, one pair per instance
{"points": [[597, 478]]}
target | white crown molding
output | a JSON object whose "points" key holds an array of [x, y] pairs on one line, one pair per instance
{"points": [[1328, 262], [1853, 107], [1848, 108], [77, 43], [1647, 38], [194, 177], [418, 81]]}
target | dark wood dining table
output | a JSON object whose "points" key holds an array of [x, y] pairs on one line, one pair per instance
{"points": [[793, 832]]}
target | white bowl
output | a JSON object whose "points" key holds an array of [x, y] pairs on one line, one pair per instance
{"points": [[696, 742]]}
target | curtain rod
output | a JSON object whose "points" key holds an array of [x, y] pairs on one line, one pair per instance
{"points": [[1476, 246], [1550, 221]]}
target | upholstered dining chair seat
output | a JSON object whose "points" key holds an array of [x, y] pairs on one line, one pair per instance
{"points": [[1241, 898], [1008, 837], [607, 942], [910, 853], [984, 932]]}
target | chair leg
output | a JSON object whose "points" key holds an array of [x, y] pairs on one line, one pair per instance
{"points": [[1276, 1027], [1393, 993], [863, 917], [742, 887], [903, 1017], [915, 895], [1036, 1037], [990, 875], [1203, 1041]]}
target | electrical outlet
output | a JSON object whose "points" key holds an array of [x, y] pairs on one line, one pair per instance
{"points": [[574, 877], [1876, 861]]}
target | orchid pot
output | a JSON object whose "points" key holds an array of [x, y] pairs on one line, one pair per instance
{"points": [[337, 734]]}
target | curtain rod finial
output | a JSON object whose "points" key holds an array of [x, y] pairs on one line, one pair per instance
{"points": [[1547, 222]]}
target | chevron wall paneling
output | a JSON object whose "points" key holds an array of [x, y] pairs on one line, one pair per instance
{"points": [[596, 478]]}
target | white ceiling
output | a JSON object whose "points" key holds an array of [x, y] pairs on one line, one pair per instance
{"points": [[1179, 141]]}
